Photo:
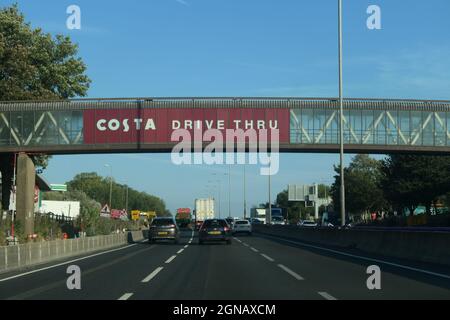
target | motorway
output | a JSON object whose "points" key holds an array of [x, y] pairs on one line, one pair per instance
{"points": [[252, 267]]}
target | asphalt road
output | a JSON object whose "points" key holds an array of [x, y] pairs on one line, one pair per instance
{"points": [[253, 268]]}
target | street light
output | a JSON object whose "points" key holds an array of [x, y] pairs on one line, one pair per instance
{"points": [[341, 118], [110, 185]]}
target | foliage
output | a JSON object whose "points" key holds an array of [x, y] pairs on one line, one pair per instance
{"points": [[413, 180], [98, 188], [362, 186]]}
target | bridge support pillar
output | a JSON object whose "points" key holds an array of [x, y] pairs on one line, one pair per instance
{"points": [[7, 170], [25, 193]]}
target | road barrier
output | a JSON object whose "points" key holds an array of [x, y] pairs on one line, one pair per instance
{"points": [[28, 254], [429, 247]]}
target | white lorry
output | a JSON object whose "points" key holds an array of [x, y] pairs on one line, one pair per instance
{"points": [[204, 209]]}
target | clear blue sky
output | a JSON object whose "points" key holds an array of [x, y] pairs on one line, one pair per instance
{"points": [[244, 48]]}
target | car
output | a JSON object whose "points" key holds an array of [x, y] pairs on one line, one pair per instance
{"points": [[277, 220], [214, 230], [242, 226], [308, 223], [163, 228]]}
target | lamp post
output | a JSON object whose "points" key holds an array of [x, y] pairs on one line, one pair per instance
{"points": [[110, 185], [341, 117], [245, 195]]}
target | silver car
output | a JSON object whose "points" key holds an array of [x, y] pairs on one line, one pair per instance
{"points": [[164, 228]]}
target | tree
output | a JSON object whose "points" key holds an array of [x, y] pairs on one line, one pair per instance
{"points": [[362, 186], [35, 66], [413, 180]]}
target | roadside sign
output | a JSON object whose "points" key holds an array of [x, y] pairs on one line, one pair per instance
{"points": [[151, 214], [105, 212], [135, 215], [58, 187]]}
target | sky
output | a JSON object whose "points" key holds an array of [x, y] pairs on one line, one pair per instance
{"points": [[245, 48]]}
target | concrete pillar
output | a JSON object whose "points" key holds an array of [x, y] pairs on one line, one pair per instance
{"points": [[7, 169], [25, 193]]}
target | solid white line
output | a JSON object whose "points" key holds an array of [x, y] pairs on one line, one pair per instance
{"points": [[180, 251], [64, 263], [292, 273], [327, 295], [365, 258], [170, 259], [126, 296], [267, 257], [253, 249], [153, 274]]}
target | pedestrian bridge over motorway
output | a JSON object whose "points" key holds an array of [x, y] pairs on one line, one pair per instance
{"points": [[146, 124]]}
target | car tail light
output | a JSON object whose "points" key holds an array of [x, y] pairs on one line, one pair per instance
{"points": [[226, 229], [172, 226]]}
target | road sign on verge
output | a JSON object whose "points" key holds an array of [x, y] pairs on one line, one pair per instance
{"points": [[135, 215], [105, 212]]}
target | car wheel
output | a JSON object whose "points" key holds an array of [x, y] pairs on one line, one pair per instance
{"points": [[151, 241], [249, 233], [200, 242], [176, 241], [228, 242]]}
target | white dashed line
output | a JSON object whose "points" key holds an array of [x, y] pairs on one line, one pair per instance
{"points": [[292, 273], [245, 244], [170, 259], [126, 296], [267, 257], [237, 240], [253, 249], [152, 275], [186, 246], [327, 296], [180, 251], [445, 276]]}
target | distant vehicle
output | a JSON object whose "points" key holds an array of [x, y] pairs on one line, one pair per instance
{"points": [[230, 222], [214, 230], [307, 223], [204, 209], [257, 221], [276, 220], [258, 214], [183, 217], [242, 226], [163, 228], [333, 219]]}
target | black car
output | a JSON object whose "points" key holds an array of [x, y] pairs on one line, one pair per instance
{"points": [[163, 229], [214, 230]]}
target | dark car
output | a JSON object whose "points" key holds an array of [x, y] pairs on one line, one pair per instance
{"points": [[163, 229], [214, 230]]}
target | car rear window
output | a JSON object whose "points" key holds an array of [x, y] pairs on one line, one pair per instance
{"points": [[241, 222], [162, 222], [215, 223]]}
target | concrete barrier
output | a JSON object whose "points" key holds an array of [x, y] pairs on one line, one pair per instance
{"points": [[430, 247], [24, 255]]}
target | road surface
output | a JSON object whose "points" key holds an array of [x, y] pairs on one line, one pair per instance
{"points": [[252, 267]]}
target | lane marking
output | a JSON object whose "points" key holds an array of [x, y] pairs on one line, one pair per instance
{"points": [[186, 246], [292, 273], [170, 259], [365, 258], [253, 249], [245, 244], [126, 296], [267, 257], [152, 275], [65, 263], [180, 251], [238, 240], [326, 295]]}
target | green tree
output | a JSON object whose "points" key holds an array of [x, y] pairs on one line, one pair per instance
{"points": [[362, 186], [413, 180]]}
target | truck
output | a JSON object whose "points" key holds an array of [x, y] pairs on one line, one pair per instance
{"points": [[204, 209], [258, 215], [183, 217]]}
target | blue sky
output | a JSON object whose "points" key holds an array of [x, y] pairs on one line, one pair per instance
{"points": [[244, 48]]}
